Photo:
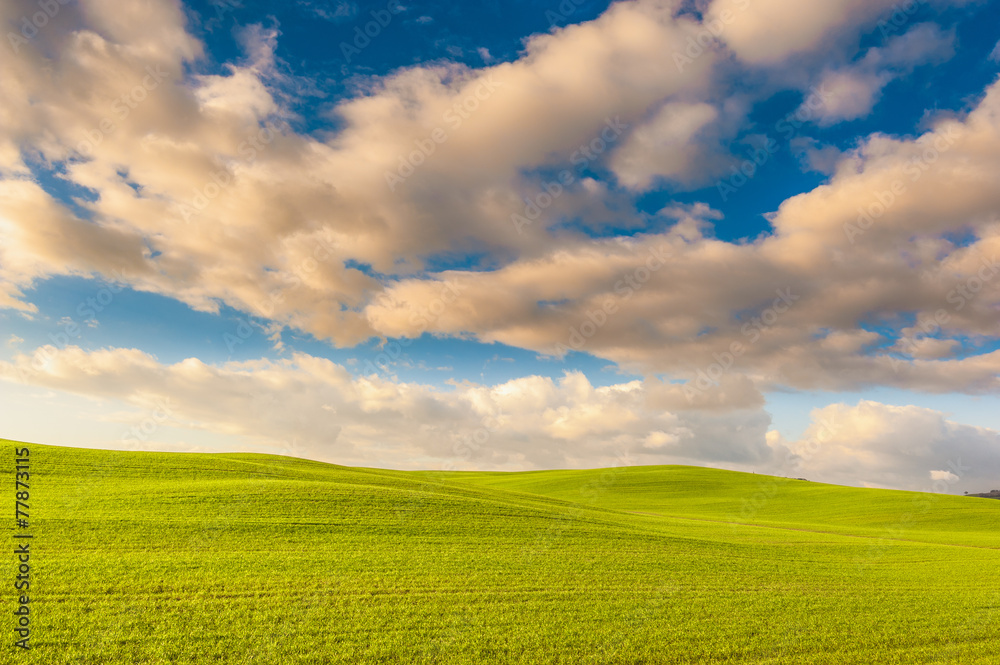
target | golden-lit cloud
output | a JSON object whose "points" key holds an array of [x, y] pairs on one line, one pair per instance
{"points": [[312, 407], [902, 447], [200, 187]]}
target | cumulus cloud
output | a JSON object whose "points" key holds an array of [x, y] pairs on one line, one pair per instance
{"points": [[903, 447], [814, 156], [335, 11], [845, 256], [200, 188], [848, 94], [851, 92], [767, 32], [311, 407], [663, 146]]}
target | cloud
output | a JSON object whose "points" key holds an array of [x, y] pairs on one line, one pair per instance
{"points": [[946, 476], [848, 95], [664, 146], [787, 309], [816, 157], [199, 187], [768, 32], [904, 447], [311, 407], [851, 92], [337, 11]]}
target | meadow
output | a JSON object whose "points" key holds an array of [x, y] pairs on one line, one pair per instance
{"points": [[142, 558]]}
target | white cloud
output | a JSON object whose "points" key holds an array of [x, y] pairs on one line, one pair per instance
{"points": [[794, 303], [851, 92], [947, 476], [816, 157], [203, 192], [767, 32], [904, 447], [335, 11], [278, 221], [311, 407], [848, 95], [664, 146]]}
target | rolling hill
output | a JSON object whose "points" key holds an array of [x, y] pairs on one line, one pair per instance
{"points": [[146, 557]]}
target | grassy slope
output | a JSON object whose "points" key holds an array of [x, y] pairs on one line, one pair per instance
{"points": [[699, 493], [158, 558]]}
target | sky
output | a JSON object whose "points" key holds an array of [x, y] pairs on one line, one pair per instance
{"points": [[759, 235]]}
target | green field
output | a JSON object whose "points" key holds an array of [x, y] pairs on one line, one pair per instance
{"points": [[191, 558]]}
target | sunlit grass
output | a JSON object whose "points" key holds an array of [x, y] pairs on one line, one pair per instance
{"points": [[184, 558]]}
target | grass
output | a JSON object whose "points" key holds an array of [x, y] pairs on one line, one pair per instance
{"points": [[188, 558]]}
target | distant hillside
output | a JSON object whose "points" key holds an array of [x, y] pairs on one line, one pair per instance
{"points": [[146, 558], [992, 494], [732, 497]]}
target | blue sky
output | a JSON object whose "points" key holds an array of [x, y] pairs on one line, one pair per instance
{"points": [[143, 236]]}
